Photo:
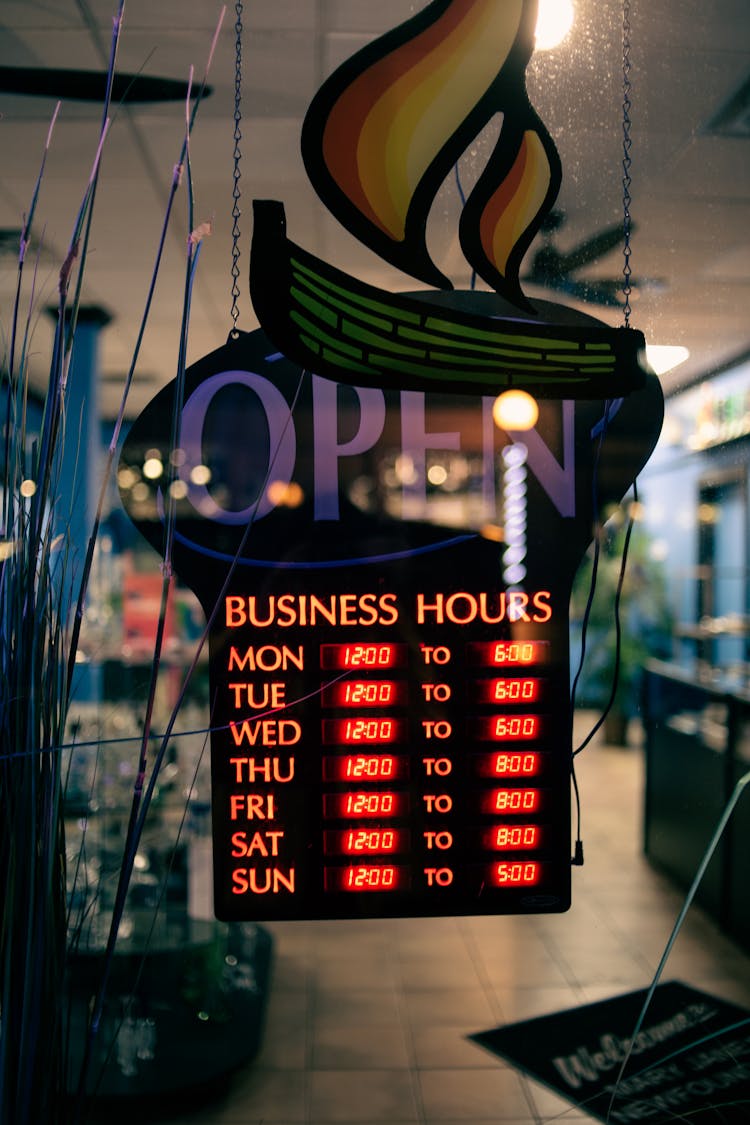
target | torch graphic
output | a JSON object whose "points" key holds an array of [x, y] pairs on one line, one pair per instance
{"points": [[378, 140]]}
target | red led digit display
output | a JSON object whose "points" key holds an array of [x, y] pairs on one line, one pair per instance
{"points": [[498, 654], [370, 656], [512, 837], [522, 873], [365, 841], [365, 877], [345, 732], [365, 767], [364, 693], [506, 691], [509, 728], [525, 763], [343, 806], [511, 801]]}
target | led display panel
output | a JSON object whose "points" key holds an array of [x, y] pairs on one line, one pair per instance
{"points": [[388, 656]]}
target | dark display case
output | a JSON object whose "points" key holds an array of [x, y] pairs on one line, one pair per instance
{"points": [[697, 749]]}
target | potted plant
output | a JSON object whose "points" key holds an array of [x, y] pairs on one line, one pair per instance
{"points": [[43, 600]]}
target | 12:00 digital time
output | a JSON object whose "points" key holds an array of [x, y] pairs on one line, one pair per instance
{"points": [[365, 767], [363, 878], [365, 841], [355, 655], [346, 731]]}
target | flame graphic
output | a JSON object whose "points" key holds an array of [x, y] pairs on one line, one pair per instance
{"points": [[386, 128]]}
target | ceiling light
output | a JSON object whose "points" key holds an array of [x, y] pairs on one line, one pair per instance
{"points": [[178, 490], [152, 468], [515, 410], [286, 494], [200, 474], [126, 478], [664, 357], [553, 23]]}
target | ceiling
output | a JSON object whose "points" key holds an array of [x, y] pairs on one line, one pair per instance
{"points": [[690, 178]]}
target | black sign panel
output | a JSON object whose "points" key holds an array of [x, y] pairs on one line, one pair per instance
{"points": [[387, 577], [689, 1062]]}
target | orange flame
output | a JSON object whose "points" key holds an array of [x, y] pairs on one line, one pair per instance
{"points": [[385, 129], [513, 205]]}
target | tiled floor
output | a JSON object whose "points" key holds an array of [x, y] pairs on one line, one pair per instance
{"points": [[367, 1021]]}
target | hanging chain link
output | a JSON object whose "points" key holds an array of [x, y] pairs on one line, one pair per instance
{"points": [[236, 212], [627, 226]]}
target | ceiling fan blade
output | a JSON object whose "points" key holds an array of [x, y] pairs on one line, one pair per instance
{"points": [[91, 85], [592, 249], [603, 292]]}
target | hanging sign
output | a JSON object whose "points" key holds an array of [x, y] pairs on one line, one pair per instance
{"points": [[390, 715], [386, 572]]}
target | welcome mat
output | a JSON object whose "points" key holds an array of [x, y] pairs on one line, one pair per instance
{"points": [[690, 1061]]}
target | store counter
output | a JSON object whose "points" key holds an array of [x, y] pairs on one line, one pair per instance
{"points": [[697, 748]]}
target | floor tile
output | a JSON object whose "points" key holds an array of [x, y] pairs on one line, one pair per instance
{"points": [[291, 971], [465, 1095], [264, 1096], [360, 1048], [284, 1045], [366, 971], [430, 971], [448, 1007], [448, 1047], [358, 1007], [516, 967], [350, 1096], [606, 965], [527, 1003]]}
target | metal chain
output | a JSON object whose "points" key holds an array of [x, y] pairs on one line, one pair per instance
{"points": [[236, 212], [627, 225]]}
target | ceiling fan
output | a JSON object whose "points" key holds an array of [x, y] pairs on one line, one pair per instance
{"points": [[90, 85], [553, 269]]}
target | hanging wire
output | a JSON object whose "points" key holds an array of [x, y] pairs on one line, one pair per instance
{"points": [[617, 623], [237, 156], [627, 230], [627, 226]]}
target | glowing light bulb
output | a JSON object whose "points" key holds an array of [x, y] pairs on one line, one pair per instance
{"points": [[200, 474], [178, 490], [152, 468], [665, 357], [553, 23], [515, 410]]}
